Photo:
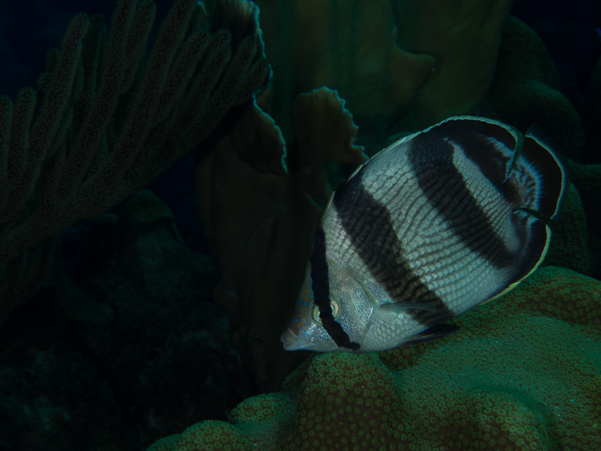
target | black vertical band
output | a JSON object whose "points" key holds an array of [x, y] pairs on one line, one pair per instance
{"points": [[431, 158], [320, 285], [368, 225]]}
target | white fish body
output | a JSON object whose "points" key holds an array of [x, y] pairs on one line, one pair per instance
{"points": [[430, 227]]}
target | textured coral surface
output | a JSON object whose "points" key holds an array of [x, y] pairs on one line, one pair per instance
{"points": [[524, 372], [570, 236], [209, 436]]}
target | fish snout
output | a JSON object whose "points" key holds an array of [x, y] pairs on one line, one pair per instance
{"points": [[292, 342]]}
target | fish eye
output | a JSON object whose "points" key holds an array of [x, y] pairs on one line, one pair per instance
{"points": [[315, 311]]}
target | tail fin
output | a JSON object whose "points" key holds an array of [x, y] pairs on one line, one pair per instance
{"points": [[541, 175]]}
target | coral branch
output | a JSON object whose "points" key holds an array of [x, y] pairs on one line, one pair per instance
{"points": [[107, 118]]}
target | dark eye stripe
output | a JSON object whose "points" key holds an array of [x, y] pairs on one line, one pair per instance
{"points": [[320, 286]]}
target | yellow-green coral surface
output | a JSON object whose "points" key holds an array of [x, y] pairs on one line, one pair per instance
{"points": [[524, 372]]}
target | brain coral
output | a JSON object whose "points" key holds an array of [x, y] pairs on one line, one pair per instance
{"points": [[207, 436], [587, 179], [524, 372], [569, 246]]}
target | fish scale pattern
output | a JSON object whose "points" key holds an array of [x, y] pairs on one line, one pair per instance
{"points": [[523, 373]]}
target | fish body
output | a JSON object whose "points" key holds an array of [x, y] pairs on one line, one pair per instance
{"points": [[433, 225]]}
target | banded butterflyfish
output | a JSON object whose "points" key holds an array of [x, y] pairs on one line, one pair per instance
{"points": [[433, 225]]}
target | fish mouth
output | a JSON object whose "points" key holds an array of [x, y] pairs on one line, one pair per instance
{"points": [[292, 342]]}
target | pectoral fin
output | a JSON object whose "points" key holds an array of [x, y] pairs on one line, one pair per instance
{"points": [[434, 332], [403, 307]]}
